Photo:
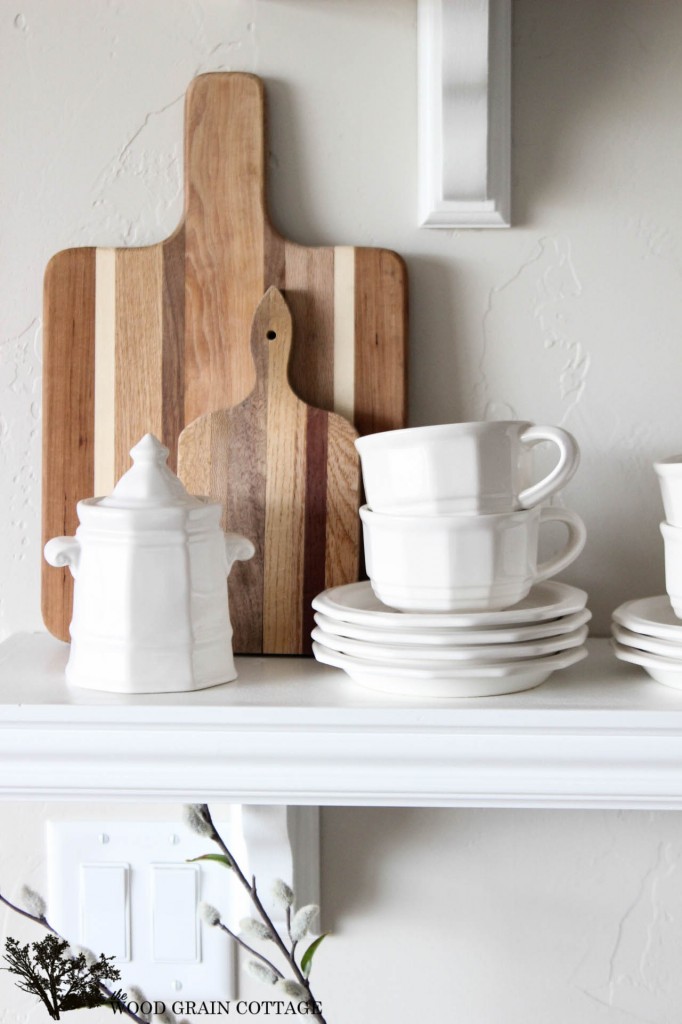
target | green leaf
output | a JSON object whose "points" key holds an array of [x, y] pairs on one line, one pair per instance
{"points": [[220, 858], [307, 958]]}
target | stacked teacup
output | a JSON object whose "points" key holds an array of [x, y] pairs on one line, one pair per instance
{"points": [[669, 473], [648, 631], [450, 524], [452, 521]]}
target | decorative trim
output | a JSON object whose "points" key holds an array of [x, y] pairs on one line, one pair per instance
{"points": [[283, 842], [290, 731], [464, 107]]}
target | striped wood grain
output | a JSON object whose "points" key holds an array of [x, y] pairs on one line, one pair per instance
{"points": [[288, 476], [68, 414], [150, 339]]}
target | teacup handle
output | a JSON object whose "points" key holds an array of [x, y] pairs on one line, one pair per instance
{"points": [[569, 457], [577, 535]]}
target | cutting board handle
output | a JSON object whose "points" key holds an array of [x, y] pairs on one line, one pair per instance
{"points": [[271, 338], [225, 155], [224, 233]]}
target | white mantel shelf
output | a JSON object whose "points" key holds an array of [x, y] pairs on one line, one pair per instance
{"points": [[290, 731]]}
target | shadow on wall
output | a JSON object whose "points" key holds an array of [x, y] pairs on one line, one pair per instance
{"points": [[437, 379], [569, 85], [360, 844]]}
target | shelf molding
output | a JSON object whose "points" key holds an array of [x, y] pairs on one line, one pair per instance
{"points": [[464, 113], [292, 732]]}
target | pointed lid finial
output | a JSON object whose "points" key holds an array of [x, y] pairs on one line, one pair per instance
{"points": [[149, 483]]}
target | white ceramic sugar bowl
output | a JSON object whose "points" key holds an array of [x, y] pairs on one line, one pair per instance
{"points": [[150, 611]]}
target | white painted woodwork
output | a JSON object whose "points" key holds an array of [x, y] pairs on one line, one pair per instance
{"points": [[290, 731], [464, 105], [283, 842]]}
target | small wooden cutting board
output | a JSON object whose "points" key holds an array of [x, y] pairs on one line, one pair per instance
{"points": [[288, 477], [146, 340]]}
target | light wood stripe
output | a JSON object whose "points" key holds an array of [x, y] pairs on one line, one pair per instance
{"points": [[105, 369], [196, 473], [344, 331], [284, 532], [284, 496], [315, 547], [139, 349]]}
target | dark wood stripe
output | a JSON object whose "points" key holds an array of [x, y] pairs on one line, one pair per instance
{"points": [[173, 355], [68, 414], [315, 543], [380, 341], [343, 487], [310, 297]]}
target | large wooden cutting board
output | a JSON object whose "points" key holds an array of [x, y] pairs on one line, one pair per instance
{"points": [[148, 339], [288, 477]]}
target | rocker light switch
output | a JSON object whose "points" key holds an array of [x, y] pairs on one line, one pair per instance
{"points": [[174, 914], [105, 909], [131, 890], [126, 889]]}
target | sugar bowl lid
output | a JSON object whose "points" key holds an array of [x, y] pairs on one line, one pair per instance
{"points": [[149, 483]]}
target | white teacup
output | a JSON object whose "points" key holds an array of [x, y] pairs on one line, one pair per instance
{"points": [[669, 472], [462, 468], [455, 563], [672, 538]]}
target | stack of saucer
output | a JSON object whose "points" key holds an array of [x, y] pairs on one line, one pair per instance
{"points": [[648, 632], [475, 654]]}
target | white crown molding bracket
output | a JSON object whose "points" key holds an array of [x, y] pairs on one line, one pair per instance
{"points": [[464, 108]]}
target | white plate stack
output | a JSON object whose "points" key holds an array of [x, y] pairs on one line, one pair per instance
{"points": [[648, 632], [471, 654]]}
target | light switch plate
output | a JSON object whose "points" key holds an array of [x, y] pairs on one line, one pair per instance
{"points": [[126, 889]]}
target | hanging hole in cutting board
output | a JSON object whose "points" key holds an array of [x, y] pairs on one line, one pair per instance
{"points": [[271, 335]]}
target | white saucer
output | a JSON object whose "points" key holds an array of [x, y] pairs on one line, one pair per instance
{"points": [[651, 644], [356, 602], [664, 670], [450, 680], [652, 616], [452, 637], [419, 656]]}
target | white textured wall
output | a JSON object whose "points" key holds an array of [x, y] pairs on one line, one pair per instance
{"points": [[572, 317]]}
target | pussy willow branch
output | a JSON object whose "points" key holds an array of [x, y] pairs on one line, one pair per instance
{"points": [[44, 923], [255, 899], [249, 949]]}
